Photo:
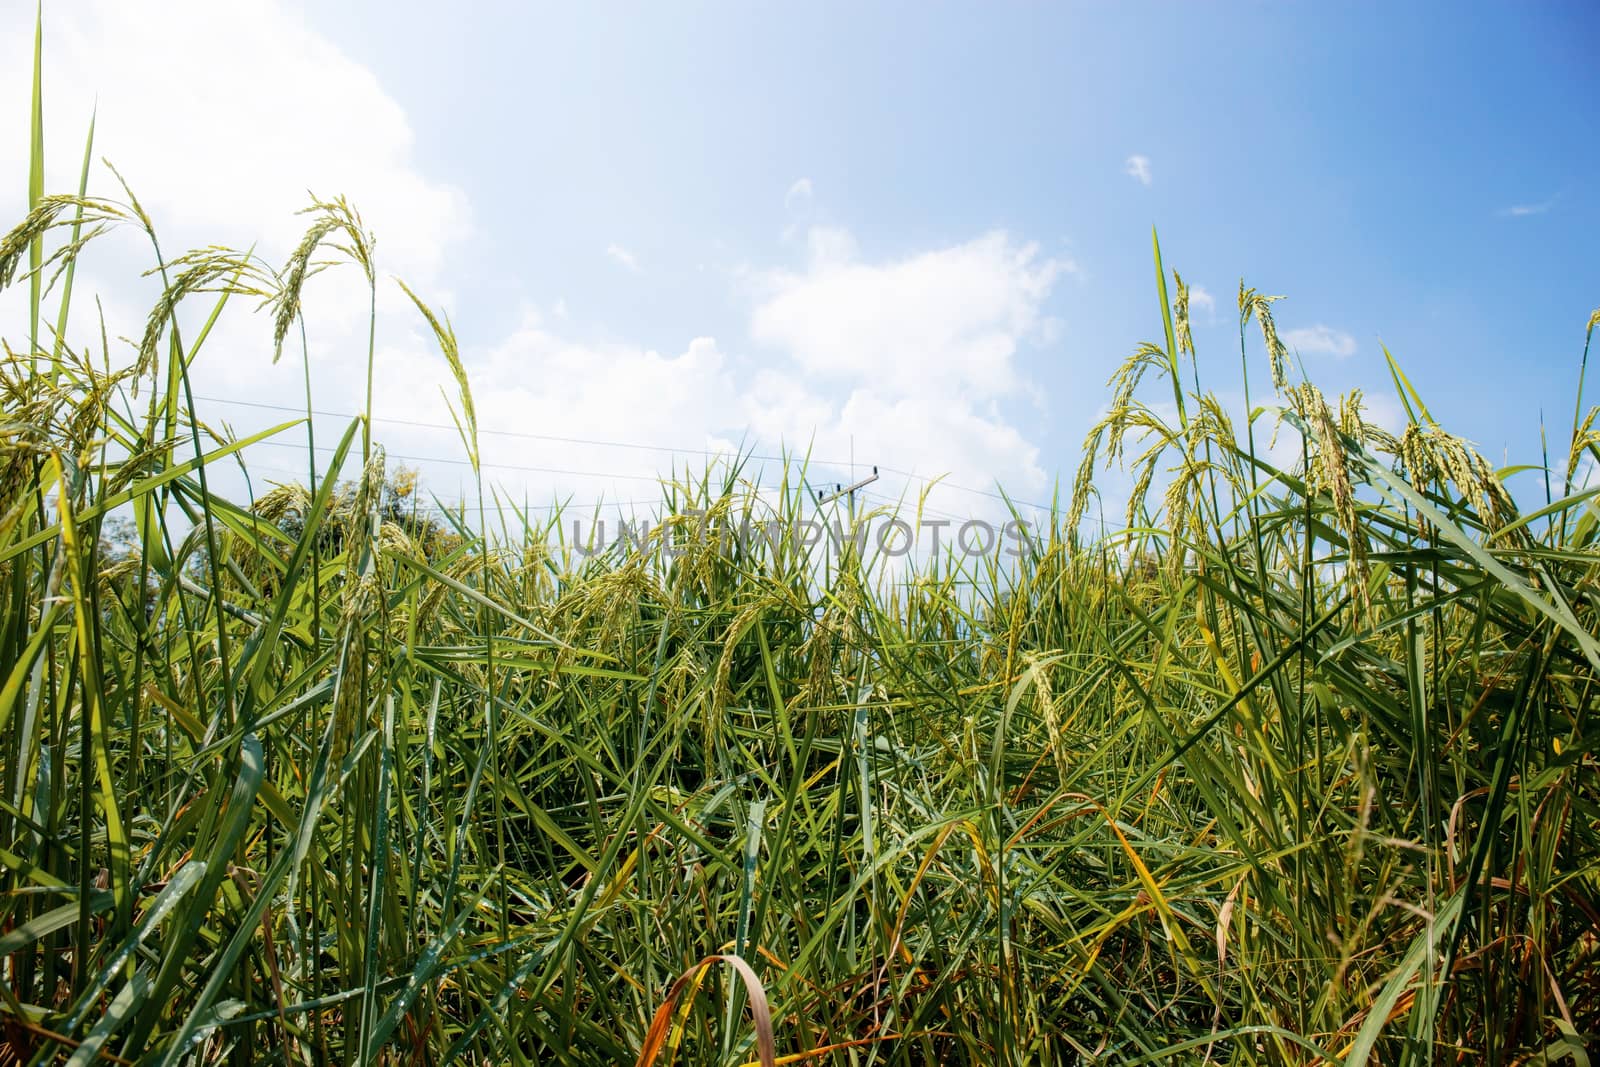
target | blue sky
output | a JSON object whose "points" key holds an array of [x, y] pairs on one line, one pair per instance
{"points": [[796, 204]]}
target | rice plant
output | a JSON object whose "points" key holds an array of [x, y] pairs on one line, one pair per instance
{"points": [[1298, 768]]}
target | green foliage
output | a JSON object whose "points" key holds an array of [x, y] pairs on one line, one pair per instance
{"points": [[1298, 769]]}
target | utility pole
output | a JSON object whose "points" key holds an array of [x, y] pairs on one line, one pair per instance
{"points": [[850, 490], [847, 490]]}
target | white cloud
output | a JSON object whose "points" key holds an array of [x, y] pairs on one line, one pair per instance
{"points": [[923, 349], [221, 117], [1518, 211], [1200, 297], [538, 381], [1382, 409], [950, 318], [1320, 338], [1584, 476], [623, 256], [905, 363], [830, 246], [1137, 168], [800, 192], [910, 360]]}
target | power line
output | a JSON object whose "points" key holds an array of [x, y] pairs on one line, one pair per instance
{"points": [[524, 434], [445, 508], [497, 466], [967, 489], [601, 443], [449, 508], [897, 505]]}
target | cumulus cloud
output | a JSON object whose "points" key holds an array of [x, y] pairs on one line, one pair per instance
{"points": [[221, 117], [1383, 410], [913, 360], [799, 193], [1320, 338], [923, 350], [906, 363], [584, 403], [1137, 168], [1200, 297], [947, 319], [621, 255]]}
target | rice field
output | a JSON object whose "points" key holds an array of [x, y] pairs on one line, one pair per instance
{"points": [[1298, 768]]}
